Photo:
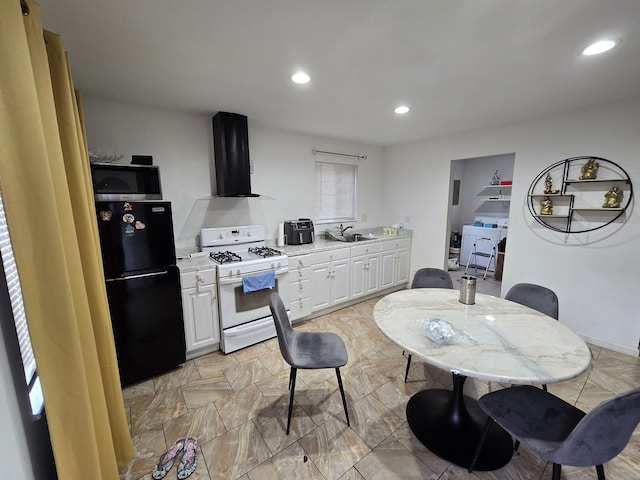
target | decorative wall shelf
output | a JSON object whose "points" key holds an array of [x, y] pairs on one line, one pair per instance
{"points": [[577, 204]]}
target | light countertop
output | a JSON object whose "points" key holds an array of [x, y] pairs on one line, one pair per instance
{"points": [[321, 244], [189, 264], [195, 263]]}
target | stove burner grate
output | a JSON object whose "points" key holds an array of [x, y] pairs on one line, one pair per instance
{"points": [[225, 257], [264, 251]]}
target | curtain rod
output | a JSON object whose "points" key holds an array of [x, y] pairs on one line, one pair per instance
{"points": [[359, 157]]}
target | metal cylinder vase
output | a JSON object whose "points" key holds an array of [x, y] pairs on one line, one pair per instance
{"points": [[468, 290]]}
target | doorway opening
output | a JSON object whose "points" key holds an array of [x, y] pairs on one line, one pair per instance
{"points": [[478, 217]]}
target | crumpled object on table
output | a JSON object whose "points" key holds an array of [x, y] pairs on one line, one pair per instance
{"points": [[441, 331]]}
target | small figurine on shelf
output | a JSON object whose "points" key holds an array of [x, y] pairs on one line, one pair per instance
{"points": [[613, 198], [589, 170], [548, 186], [496, 179], [546, 206]]}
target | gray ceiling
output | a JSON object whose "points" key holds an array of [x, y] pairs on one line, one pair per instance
{"points": [[459, 64]]}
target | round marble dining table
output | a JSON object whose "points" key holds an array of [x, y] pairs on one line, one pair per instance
{"points": [[495, 340]]}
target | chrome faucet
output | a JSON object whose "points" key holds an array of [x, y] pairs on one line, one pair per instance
{"points": [[344, 229]]}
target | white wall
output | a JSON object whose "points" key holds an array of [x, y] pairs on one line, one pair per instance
{"points": [[14, 452], [182, 145], [594, 274]]}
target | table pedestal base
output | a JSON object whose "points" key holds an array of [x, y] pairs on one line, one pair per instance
{"points": [[450, 425]]}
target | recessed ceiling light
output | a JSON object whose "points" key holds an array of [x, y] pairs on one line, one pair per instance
{"points": [[600, 47], [300, 77], [401, 109]]}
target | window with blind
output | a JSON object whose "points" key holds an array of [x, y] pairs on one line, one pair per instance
{"points": [[335, 192], [19, 316]]}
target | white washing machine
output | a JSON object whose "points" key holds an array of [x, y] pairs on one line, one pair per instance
{"points": [[485, 239]]}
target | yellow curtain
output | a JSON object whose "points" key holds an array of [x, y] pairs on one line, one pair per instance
{"points": [[45, 180]]}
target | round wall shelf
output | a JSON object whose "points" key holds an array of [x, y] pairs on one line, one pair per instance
{"points": [[580, 194]]}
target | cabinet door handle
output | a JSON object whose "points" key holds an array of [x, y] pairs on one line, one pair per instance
{"points": [[199, 282]]}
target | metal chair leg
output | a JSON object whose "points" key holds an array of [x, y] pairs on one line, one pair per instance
{"points": [[600, 470], [406, 373], [556, 471], [344, 399], [292, 385]]}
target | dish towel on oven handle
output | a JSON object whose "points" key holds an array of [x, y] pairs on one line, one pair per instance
{"points": [[258, 282]]}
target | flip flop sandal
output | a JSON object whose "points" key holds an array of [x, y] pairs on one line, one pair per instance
{"points": [[167, 459], [189, 461]]}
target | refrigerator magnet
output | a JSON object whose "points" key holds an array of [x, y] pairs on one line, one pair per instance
{"points": [[140, 225], [128, 218], [105, 215], [129, 230], [127, 207]]}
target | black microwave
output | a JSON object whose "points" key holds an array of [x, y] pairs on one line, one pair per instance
{"points": [[114, 182]]}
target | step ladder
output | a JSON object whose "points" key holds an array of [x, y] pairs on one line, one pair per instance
{"points": [[475, 254]]}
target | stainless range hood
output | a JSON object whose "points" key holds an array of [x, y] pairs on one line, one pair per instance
{"points": [[231, 149]]}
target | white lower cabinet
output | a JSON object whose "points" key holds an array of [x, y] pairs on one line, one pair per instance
{"points": [[395, 259], [329, 278], [320, 280], [365, 269], [299, 287], [200, 309]]}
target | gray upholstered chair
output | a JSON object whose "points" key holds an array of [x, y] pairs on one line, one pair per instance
{"points": [[534, 296], [429, 278], [559, 432], [537, 297], [307, 350]]}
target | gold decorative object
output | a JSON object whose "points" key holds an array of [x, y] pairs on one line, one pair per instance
{"points": [[589, 170], [613, 198], [546, 206], [548, 186]]}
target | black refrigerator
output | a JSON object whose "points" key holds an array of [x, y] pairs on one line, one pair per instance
{"points": [[143, 287]]}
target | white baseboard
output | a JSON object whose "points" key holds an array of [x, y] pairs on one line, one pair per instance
{"points": [[634, 352]]}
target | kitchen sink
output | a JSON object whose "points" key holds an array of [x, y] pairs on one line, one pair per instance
{"points": [[355, 237], [360, 237]]}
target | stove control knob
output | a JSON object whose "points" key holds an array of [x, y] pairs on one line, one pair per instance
{"points": [[238, 272]]}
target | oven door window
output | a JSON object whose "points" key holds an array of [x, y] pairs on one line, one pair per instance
{"points": [[248, 302]]}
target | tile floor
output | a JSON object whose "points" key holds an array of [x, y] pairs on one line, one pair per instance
{"points": [[236, 405]]}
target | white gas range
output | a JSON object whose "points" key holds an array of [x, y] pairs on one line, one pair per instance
{"points": [[248, 272]]}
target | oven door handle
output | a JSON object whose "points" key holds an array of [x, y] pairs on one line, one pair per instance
{"points": [[238, 279]]}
